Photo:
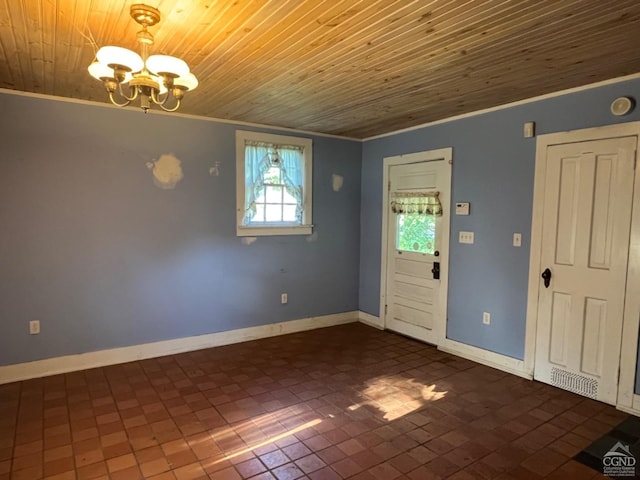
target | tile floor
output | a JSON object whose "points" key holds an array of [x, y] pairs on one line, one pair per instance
{"points": [[340, 402]]}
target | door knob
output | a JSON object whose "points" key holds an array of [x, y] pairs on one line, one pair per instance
{"points": [[546, 275], [436, 270]]}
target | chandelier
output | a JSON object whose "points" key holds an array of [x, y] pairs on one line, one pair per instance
{"points": [[127, 76]]}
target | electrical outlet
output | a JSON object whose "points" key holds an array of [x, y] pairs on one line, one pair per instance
{"points": [[283, 298], [34, 327], [486, 318], [517, 239], [465, 237]]}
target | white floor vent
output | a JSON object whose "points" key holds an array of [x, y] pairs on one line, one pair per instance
{"points": [[574, 383]]}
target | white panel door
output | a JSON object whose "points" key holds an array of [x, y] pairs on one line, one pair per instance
{"points": [[414, 243], [585, 246]]}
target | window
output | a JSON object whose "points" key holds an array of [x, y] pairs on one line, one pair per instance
{"points": [[274, 184], [416, 233], [416, 220]]}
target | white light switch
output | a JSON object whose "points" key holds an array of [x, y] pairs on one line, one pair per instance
{"points": [[529, 129], [465, 237], [517, 239]]}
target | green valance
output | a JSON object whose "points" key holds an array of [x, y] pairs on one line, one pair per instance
{"points": [[416, 203]]}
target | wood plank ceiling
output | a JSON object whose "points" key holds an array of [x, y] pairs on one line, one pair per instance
{"points": [[357, 68]]}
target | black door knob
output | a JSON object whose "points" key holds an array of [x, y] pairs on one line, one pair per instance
{"points": [[546, 276]]}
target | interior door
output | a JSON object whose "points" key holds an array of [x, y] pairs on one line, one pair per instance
{"points": [[585, 246], [416, 274]]}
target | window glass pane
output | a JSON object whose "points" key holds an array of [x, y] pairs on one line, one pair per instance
{"points": [[416, 233], [289, 213], [273, 213], [288, 198], [260, 198], [274, 194], [259, 216], [272, 175]]}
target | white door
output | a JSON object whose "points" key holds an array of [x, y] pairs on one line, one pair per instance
{"points": [[416, 247], [585, 246]]}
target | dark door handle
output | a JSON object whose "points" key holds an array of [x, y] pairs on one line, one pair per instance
{"points": [[436, 270], [546, 275]]}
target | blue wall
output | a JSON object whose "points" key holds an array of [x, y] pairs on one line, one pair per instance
{"points": [[104, 258], [493, 169]]}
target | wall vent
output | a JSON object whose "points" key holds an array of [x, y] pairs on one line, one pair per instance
{"points": [[575, 383]]}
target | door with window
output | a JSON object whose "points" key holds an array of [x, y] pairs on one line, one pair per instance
{"points": [[417, 242], [585, 245]]}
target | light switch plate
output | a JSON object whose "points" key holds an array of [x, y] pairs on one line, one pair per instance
{"points": [[517, 239], [529, 129], [465, 237]]}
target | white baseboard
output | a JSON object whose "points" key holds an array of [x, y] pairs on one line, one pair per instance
{"points": [[72, 363], [475, 354], [370, 320], [629, 410], [485, 357], [634, 409]]}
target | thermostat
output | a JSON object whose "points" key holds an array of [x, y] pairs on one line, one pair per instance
{"points": [[462, 208]]}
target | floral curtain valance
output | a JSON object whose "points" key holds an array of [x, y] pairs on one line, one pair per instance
{"points": [[420, 203]]}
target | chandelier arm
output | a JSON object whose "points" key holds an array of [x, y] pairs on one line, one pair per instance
{"points": [[130, 98], [173, 109], [157, 97], [116, 103]]}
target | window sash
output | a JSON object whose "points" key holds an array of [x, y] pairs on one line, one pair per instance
{"points": [[260, 157], [305, 145]]}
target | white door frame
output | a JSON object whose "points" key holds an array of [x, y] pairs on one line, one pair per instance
{"points": [[627, 400], [446, 154]]}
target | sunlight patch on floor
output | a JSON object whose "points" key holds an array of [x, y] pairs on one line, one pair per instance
{"points": [[257, 432], [397, 396]]}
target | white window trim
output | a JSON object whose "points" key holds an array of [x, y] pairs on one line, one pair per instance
{"points": [[306, 228]]}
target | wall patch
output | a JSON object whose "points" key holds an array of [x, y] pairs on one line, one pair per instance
{"points": [[248, 240], [338, 181], [167, 171], [215, 170]]}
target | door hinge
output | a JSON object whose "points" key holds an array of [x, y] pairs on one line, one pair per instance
{"points": [[386, 308], [389, 186]]}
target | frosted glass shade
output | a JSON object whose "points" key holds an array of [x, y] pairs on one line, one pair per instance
{"points": [[112, 56], [101, 72], [188, 81], [166, 64], [161, 88]]}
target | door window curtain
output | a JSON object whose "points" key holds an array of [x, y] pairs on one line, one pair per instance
{"points": [[416, 203], [259, 158]]}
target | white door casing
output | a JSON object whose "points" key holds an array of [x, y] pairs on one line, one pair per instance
{"points": [[414, 302], [586, 217]]}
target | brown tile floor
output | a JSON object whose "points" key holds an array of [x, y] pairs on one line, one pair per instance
{"points": [[341, 402]]}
